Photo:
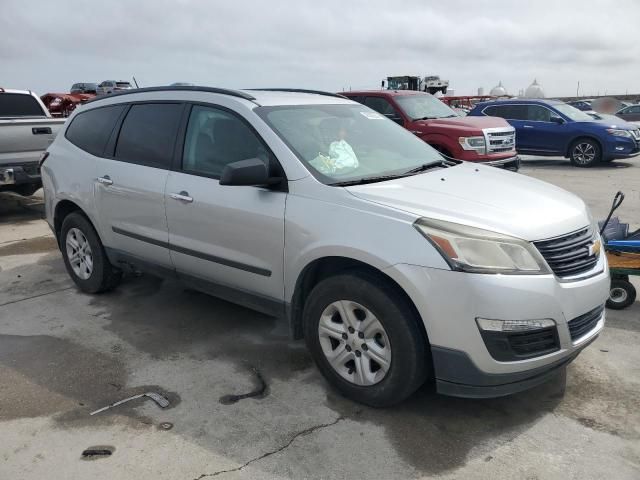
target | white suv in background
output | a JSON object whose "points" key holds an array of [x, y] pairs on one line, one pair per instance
{"points": [[109, 86], [396, 266]]}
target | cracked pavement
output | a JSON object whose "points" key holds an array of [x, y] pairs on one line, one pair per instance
{"points": [[64, 354]]}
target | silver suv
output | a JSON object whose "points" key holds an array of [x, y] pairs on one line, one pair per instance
{"points": [[396, 266]]}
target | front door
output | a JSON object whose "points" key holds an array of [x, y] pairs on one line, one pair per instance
{"points": [[130, 185], [229, 240]]}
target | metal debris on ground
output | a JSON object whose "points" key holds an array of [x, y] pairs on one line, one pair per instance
{"points": [[156, 397], [166, 426]]}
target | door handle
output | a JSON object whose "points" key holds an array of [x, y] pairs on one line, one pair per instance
{"points": [[106, 180], [41, 130], [182, 196], [528, 126]]}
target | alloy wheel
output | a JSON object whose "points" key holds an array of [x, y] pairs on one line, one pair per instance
{"points": [[354, 342], [584, 153], [79, 253]]}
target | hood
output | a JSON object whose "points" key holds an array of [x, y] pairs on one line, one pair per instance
{"points": [[466, 122], [483, 197]]}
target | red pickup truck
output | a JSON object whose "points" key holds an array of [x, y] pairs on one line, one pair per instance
{"points": [[487, 140]]}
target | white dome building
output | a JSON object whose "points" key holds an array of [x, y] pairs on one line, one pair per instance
{"points": [[498, 90], [534, 90]]}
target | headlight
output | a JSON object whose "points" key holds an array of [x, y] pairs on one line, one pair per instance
{"points": [[619, 133], [481, 251], [472, 143]]}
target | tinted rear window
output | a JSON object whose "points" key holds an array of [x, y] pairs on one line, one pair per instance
{"points": [[509, 112], [19, 105], [148, 134], [91, 130]]}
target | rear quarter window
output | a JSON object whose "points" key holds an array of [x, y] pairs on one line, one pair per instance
{"points": [[19, 105], [91, 130], [148, 134]]}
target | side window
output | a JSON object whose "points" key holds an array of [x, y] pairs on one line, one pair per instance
{"points": [[148, 134], [19, 105], [635, 109], [493, 111], [537, 113], [381, 105], [216, 138], [91, 130]]}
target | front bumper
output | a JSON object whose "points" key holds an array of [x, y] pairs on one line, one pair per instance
{"points": [[449, 303], [511, 163], [622, 148], [20, 174]]}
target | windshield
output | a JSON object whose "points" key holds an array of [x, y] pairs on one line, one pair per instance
{"points": [[424, 106], [573, 113], [348, 143]]}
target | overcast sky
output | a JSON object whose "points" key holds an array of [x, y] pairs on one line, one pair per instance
{"points": [[47, 45]]}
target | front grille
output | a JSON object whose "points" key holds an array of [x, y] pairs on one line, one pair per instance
{"points": [[529, 344], [569, 254], [501, 141], [583, 324], [636, 133]]}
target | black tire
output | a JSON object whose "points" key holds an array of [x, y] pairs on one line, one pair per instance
{"points": [[621, 295], [410, 362], [585, 153], [104, 276]]}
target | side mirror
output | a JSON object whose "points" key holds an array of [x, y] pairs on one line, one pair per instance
{"points": [[250, 172], [557, 120]]}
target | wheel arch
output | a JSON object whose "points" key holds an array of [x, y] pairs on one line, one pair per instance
{"points": [[585, 137], [327, 266], [62, 209]]}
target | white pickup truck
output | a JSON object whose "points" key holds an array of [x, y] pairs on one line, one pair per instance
{"points": [[26, 130]]}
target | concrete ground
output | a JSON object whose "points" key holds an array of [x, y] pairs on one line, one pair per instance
{"points": [[64, 354]]}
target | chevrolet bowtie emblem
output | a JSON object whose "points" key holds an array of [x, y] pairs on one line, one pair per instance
{"points": [[594, 248]]}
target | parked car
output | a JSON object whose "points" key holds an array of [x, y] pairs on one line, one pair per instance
{"points": [[62, 104], [490, 141], [90, 88], [553, 128], [110, 86], [630, 113], [583, 105], [26, 130], [396, 265]]}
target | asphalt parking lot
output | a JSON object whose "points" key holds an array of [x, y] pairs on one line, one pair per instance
{"points": [[64, 354]]}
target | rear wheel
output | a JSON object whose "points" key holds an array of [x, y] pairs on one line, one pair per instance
{"points": [[621, 295], [585, 153], [84, 256], [365, 339]]}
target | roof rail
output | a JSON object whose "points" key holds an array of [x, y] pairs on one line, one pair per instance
{"points": [[298, 90], [187, 88]]}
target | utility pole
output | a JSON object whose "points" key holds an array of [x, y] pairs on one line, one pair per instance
{"points": [[578, 89]]}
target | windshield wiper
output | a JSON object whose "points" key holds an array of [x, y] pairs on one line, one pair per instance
{"points": [[422, 168], [365, 180]]}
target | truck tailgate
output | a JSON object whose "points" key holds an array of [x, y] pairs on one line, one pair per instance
{"points": [[23, 140]]}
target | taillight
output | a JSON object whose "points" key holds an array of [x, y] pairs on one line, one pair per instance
{"points": [[43, 157]]}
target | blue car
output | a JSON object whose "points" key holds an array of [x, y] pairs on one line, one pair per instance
{"points": [[553, 128]]}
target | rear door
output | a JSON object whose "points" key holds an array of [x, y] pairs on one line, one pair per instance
{"points": [[130, 183], [227, 239]]}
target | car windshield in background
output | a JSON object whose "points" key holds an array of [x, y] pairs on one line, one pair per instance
{"points": [[573, 113], [424, 107], [349, 143]]}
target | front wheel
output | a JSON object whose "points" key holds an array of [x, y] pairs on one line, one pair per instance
{"points": [[621, 295], [365, 339], [585, 153]]}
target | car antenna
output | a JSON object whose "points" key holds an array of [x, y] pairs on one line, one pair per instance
{"points": [[135, 81]]}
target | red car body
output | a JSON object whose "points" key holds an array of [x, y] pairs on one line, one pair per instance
{"points": [[63, 104], [449, 134]]}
